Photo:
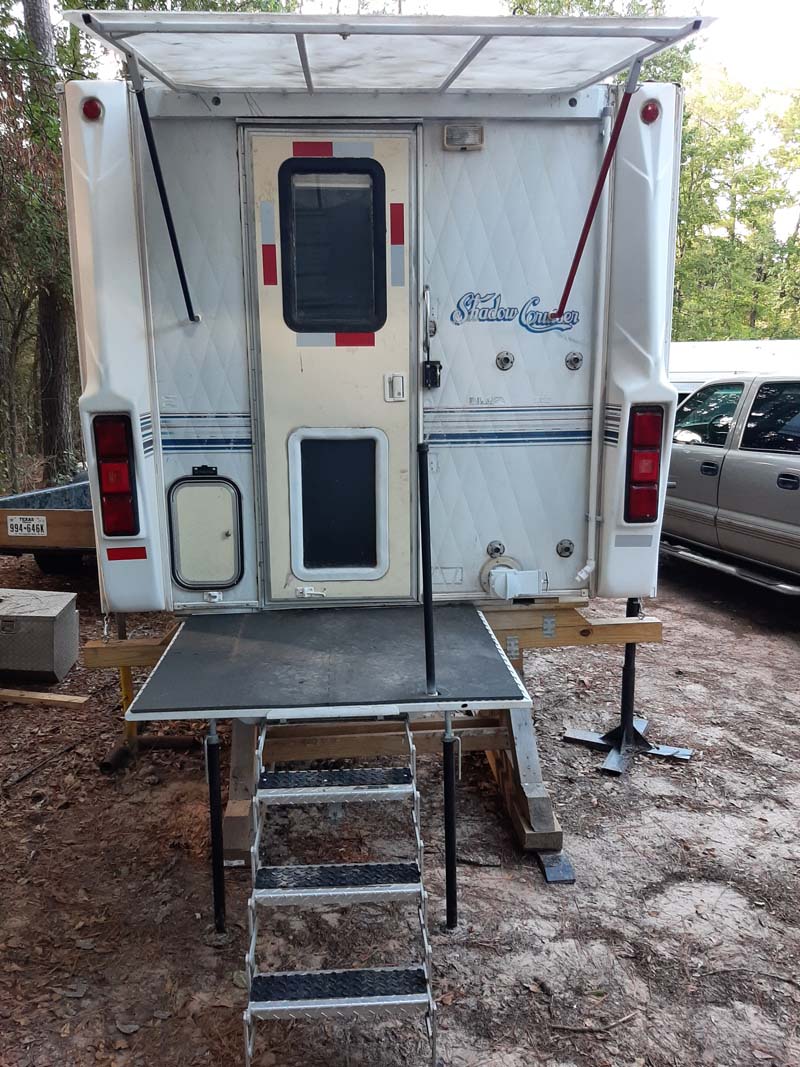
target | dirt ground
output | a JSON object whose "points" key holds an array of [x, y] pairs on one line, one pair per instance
{"points": [[679, 944]]}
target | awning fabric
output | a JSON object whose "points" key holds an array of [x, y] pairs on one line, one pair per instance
{"points": [[222, 52]]}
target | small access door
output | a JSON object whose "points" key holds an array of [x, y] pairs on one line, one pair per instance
{"points": [[336, 332]]}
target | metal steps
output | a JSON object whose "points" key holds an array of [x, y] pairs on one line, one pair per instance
{"points": [[368, 993], [337, 883], [335, 786], [371, 992]]}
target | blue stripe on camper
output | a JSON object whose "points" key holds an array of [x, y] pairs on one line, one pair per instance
{"points": [[513, 437]]}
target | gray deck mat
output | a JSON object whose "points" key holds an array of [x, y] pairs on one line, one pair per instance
{"points": [[325, 657]]}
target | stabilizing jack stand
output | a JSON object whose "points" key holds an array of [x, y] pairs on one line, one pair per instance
{"points": [[628, 738], [449, 741], [215, 813]]}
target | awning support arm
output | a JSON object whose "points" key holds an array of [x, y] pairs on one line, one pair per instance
{"points": [[138, 89], [630, 89]]}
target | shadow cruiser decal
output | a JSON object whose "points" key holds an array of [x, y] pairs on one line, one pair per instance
{"points": [[474, 307]]}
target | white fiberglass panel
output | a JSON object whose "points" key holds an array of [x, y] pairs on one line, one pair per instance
{"points": [[509, 448], [545, 64], [378, 62], [222, 60]]}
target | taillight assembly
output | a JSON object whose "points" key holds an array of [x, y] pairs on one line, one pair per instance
{"points": [[113, 444], [645, 438]]}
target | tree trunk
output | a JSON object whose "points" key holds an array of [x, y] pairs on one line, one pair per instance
{"points": [[39, 28], [53, 312], [54, 391]]}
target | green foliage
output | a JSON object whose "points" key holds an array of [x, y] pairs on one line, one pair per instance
{"points": [[735, 278]]}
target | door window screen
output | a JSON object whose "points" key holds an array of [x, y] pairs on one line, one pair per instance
{"points": [[333, 244], [773, 424]]}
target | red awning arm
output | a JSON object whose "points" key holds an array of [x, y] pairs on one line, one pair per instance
{"points": [[630, 89]]}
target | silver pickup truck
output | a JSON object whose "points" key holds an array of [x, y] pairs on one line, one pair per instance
{"points": [[733, 499]]}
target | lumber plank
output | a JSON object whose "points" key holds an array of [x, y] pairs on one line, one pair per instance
{"points": [[130, 652], [65, 529], [531, 618], [350, 745], [588, 632], [28, 696]]}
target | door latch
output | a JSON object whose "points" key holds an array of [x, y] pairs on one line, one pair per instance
{"points": [[394, 388]]}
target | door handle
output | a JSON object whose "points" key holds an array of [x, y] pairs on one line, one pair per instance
{"points": [[789, 481], [711, 469]]}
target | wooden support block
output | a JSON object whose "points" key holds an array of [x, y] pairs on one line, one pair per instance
{"points": [[65, 529], [585, 632], [133, 652], [238, 820], [57, 700], [349, 746]]}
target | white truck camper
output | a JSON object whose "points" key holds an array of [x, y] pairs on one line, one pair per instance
{"points": [[373, 317]]}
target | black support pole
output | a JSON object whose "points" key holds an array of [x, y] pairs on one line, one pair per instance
{"points": [[215, 813], [627, 728], [449, 742], [450, 838], [427, 577], [162, 193]]}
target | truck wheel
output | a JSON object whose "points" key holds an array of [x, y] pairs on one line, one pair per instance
{"points": [[64, 563]]}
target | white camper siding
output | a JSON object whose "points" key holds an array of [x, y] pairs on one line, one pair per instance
{"points": [[640, 305], [509, 449], [112, 329], [202, 369]]}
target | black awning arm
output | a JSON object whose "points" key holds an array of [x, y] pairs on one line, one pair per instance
{"points": [[138, 89]]}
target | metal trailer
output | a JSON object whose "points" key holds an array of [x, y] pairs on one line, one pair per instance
{"points": [[373, 317], [55, 525]]}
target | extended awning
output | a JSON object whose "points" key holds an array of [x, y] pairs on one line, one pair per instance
{"points": [[221, 52]]}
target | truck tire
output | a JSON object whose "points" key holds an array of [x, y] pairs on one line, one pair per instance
{"points": [[63, 563]]}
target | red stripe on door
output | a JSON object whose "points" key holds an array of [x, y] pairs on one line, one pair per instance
{"points": [[269, 264], [397, 227], [139, 552], [312, 148], [355, 340]]}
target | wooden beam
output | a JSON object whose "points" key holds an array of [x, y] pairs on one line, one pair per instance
{"points": [[28, 696], [65, 529], [133, 652], [586, 632], [285, 746]]}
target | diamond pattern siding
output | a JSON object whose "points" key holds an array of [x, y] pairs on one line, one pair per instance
{"points": [[504, 221]]}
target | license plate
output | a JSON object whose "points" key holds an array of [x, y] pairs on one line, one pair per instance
{"points": [[26, 525]]}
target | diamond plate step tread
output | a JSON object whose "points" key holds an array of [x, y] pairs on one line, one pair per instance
{"points": [[370, 777], [369, 983], [337, 876]]}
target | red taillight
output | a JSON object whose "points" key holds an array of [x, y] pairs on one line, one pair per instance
{"points": [[645, 463], [92, 108], [650, 112], [645, 436], [113, 442], [642, 503]]}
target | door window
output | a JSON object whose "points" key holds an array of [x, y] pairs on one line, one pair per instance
{"points": [[707, 416], [773, 424], [333, 244]]}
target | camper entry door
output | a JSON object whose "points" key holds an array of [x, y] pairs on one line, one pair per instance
{"points": [[332, 225]]}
